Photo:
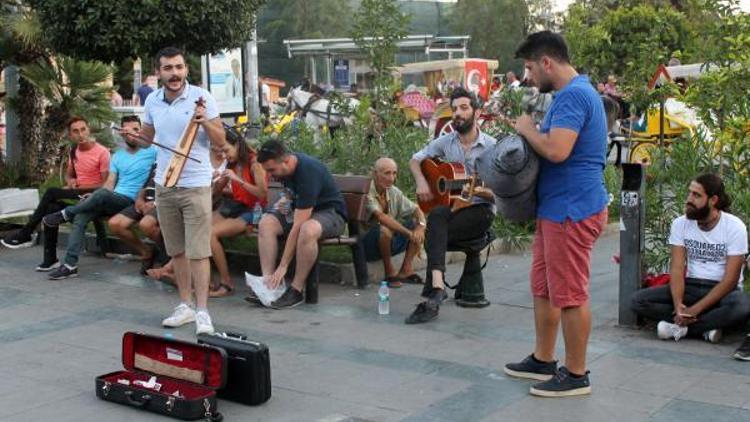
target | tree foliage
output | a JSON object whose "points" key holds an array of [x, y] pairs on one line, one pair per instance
{"points": [[70, 87], [628, 41], [377, 28], [110, 30], [297, 19], [496, 28]]}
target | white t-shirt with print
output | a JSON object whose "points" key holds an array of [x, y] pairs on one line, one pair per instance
{"points": [[707, 251]]}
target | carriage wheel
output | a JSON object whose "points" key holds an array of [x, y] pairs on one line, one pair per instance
{"points": [[446, 128], [643, 153]]}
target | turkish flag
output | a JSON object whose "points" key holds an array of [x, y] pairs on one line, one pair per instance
{"points": [[476, 78]]}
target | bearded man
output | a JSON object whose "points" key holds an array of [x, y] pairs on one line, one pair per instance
{"points": [[464, 145], [705, 292]]}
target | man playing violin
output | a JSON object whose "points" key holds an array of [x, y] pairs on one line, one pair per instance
{"points": [[444, 225], [184, 210]]}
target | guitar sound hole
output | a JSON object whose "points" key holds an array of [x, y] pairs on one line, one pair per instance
{"points": [[441, 185]]}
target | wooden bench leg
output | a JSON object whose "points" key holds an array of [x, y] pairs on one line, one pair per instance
{"points": [[360, 264], [311, 288]]}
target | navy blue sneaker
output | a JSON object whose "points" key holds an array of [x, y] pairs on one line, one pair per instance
{"points": [[55, 219], [530, 368], [63, 272], [563, 385]]}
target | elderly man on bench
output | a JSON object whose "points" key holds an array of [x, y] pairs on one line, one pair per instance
{"points": [[395, 225]]}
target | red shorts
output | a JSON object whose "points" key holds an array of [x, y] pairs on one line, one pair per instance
{"points": [[562, 259]]}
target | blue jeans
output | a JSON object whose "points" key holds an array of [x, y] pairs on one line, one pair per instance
{"points": [[101, 203], [399, 242]]}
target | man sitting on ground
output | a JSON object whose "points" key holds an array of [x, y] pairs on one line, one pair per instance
{"points": [[395, 224], [128, 172], [711, 244], [88, 168], [317, 212]]}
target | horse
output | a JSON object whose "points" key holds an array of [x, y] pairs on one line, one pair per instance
{"points": [[318, 111]]}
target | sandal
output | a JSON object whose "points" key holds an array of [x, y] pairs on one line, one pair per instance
{"points": [[217, 292], [160, 274], [393, 282], [413, 279]]}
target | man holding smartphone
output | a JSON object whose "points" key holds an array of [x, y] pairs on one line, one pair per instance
{"points": [[705, 292]]}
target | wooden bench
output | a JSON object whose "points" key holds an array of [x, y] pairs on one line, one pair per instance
{"points": [[354, 190]]}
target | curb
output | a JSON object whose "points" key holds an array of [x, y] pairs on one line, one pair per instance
{"points": [[330, 272]]}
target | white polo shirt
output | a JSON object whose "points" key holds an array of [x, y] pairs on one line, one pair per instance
{"points": [[169, 121]]}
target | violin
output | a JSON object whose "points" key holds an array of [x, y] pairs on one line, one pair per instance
{"points": [[178, 161]]}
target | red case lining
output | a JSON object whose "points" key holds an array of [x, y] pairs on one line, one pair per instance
{"points": [[168, 385], [209, 360]]}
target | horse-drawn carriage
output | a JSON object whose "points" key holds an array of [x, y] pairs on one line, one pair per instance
{"points": [[662, 123]]}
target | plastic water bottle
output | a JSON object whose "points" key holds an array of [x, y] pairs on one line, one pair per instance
{"points": [[284, 205], [384, 299], [257, 214]]}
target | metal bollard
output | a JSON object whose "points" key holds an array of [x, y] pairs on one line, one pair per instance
{"points": [[632, 241]]}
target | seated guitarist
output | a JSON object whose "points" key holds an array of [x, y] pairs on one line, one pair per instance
{"points": [[462, 146]]}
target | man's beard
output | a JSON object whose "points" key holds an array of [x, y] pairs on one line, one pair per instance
{"points": [[546, 87], [693, 213], [131, 144], [463, 126]]}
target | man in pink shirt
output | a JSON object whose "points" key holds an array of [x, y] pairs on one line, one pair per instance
{"points": [[88, 168]]}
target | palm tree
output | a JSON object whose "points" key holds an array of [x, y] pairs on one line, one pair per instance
{"points": [[70, 88], [21, 43]]}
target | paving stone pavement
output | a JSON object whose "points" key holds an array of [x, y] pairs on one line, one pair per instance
{"points": [[340, 361]]}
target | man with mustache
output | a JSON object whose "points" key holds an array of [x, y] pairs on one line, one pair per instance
{"points": [[705, 292], [184, 210], [464, 146], [571, 213]]}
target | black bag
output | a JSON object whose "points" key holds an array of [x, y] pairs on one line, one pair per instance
{"points": [[249, 368], [189, 375], [231, 208]]}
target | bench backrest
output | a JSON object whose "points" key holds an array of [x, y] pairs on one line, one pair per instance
{"points": [[353, 188]]}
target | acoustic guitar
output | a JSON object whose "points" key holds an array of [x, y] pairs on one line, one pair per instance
{"points": [[446, 182], [177, 163]]}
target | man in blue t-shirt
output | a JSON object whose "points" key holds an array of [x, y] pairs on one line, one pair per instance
{"points": [[571, 213], [312, 209], [129, 170]]}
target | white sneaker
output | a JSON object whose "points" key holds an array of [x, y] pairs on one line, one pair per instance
{"points": [[182, 315], [203, 323], [712, 336], [666, 330]]}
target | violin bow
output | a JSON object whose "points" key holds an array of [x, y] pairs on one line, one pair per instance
{"points": [[142, 139]]}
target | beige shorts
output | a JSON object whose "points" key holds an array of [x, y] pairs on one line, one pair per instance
{"points": [[185, 220]]}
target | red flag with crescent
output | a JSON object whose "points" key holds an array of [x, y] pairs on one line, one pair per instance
{"points": [[477, 80]]}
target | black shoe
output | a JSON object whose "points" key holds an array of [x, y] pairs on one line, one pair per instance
{"points": [[54, 219], [289, 299], [252, 298], [18, 241], [532, 369], [743, 353], [563, 384], [48, 265], [425, 312], [64, 272], [437, 296]]}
